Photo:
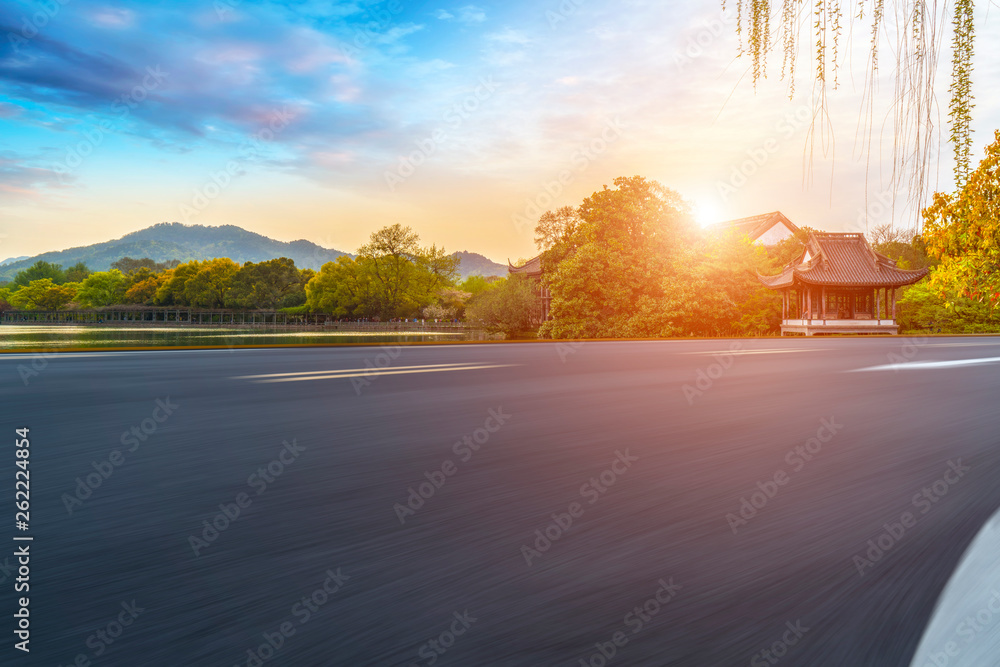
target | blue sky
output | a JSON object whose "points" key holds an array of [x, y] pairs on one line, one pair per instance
{"points": [[328, 120]]}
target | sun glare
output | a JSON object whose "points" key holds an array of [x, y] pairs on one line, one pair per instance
{"points": [[706, 214]]}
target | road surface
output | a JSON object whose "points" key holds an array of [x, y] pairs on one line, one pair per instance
{"points": [[756, 502]]}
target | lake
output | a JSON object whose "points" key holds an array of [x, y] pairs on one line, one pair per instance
{"points": [[61, 336]]}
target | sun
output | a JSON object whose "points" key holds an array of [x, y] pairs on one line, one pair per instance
{"points": [[706, 213]]}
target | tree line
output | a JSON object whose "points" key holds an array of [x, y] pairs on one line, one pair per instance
{"points": [[628, 262], [393, 276]]}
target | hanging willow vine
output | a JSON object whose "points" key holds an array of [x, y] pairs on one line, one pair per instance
{"points": [[917, 27], [960, 108]]}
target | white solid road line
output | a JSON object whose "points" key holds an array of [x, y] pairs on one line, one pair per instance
{"points": [[370, 373], [924, 365], [371, 369]]}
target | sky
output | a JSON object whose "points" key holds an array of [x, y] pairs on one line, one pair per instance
{"points": [[329, 120]]}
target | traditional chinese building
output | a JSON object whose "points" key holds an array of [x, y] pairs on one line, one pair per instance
{"points": [[840, 285], [532, 269], [766, 229]]}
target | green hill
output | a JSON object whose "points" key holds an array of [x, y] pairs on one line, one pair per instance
{"points": [[474, 264], [172, 240]]}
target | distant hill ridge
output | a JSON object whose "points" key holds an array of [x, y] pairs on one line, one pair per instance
{"points": [[173, 240]]}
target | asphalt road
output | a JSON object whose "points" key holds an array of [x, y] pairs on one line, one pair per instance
{"points": [[643, 451]]}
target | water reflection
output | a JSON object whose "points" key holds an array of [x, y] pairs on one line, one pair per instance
{"points": [[17, 336]]}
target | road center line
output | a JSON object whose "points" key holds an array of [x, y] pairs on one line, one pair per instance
{"points": [[374, 372]]}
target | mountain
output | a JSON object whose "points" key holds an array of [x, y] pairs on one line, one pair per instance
{"points": [[474, 264], [172, 240]]}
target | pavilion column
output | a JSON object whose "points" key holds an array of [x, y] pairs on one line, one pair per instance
{"points": [[822, 308], [893, 304], [809, 302]]}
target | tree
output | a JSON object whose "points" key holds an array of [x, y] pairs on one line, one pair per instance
{"points": [[508, 306], [42, 294], [391, 253], [39, 271], [923, 308], [209, 286], [129, 265], [714, 291], [917, 29], [552, 226], [344, 288], [77, 273], [607, 275], [474, 284], [436, 271], [271, 284], [963, 231], [142, 292], [174, 283], [450, 304], [903, 245], [104, 288]]}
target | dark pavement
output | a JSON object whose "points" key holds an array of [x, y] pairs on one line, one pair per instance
{"points": [[639, 449]]}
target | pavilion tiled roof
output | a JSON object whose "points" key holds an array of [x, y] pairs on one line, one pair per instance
{"points": [[533, 267], [843, 260], [756, 225]]}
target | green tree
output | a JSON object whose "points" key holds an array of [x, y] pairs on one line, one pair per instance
{"points": [[435, 271], [39, 271], [450, 304], [172, 289], [962, 230], [922, 308], [344, 288], [77, 273], [508, 306], [42, 294], [903, 245], [474, 284], [390, 255], [714, 291], [609, 279], [209, 286], [104, 288], [130, 265], [267, 285]]}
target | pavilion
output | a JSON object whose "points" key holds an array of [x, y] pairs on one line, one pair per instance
{"points": [[532, 270], [840, 285]]}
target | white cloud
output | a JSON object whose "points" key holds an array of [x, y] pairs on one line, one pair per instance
{"points": [[471, 14], [109, 17], [509, 36]]}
